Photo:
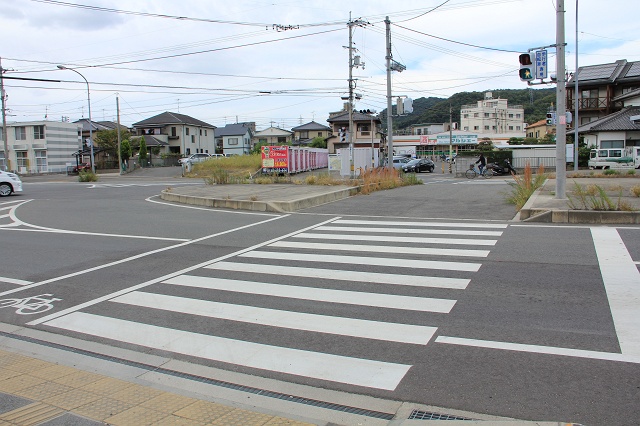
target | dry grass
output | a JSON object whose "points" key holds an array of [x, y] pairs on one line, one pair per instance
{"points": [[237, 169], [525, 185]]}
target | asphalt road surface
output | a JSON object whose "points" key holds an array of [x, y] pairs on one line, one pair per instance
{"points": [[428, 294]]}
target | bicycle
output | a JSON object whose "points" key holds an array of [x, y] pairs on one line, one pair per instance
{"points": [[472, 173], [29, 305]]}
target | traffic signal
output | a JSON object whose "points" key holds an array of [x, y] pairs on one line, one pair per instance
{"points": [[527, 69], [551, 118], [343, 134]]}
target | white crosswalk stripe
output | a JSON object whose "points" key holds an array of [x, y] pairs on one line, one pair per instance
{"points": [[348, 266]]}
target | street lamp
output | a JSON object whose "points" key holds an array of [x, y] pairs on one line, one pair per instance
{"points": [[62, 67]]}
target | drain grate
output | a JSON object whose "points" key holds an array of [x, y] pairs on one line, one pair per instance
{"points": [[426, 415]]}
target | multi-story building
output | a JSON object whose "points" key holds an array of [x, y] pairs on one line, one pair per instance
{"points": [[271, 136], [601, 87], [367, 131], [182, 134], [305, 133], [40, 146], [235, 139], [492, 116]]}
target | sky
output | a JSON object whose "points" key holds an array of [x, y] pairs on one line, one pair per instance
{"points": [[281, 63]]}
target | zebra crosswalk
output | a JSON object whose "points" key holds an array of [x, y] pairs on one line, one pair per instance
{"points": [[339, 281]]}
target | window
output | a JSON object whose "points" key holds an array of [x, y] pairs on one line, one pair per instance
{"points": [[476, 115], [510, 127], [319, 134], [517, 115], [476, 127], [612, 144], [466, 115], [510, 115], [486, 127], [200, 132], [173, 131], [38, 132], [41, 159], [493, 127], [205, 132], [21, 133], [193, 138], [282, 139], [2, 162], [466, 128], [518, 128], [23, 161], [262, 140], [233, 141], [589, 94], [304, 134], [486, 115], [187, 131]]}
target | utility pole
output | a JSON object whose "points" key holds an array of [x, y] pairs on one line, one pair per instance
{"points": [[119, 142], [561, 126], [450, 138], [352, 65], [576, 137], [4, 119], [387, 24]]}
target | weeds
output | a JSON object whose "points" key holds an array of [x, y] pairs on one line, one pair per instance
{"points": [[635, 190], [525, 185], [87, 176], [594, 197], [611, 172]]}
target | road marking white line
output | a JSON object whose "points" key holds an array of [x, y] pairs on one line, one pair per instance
{"points": [[365, 329], [382, 249], [335, 368], [548, 350], [173, 274], [380, 300], [340, 275], [14, 281], [377, 261], [622, 282], [418, 224], [411, 231], [93, 234], [4, 216], [398, 239]]}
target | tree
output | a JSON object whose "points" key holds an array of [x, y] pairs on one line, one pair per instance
{"points": [[142, 152], [108, 139], [125, 150], [485, 145], [318, 142], [515, 141]]}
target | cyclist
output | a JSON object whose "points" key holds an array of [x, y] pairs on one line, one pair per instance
{"points": [[482, 161]]}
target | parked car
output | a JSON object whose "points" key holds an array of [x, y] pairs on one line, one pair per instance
{"points": [[419, 165], [9, 183], [194, 158], [81, 167], [398, 162]]}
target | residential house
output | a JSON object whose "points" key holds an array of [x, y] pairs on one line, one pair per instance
{"points": [[429, 128], [620, 129], [235, 139], [101, 157], [600, 88], [177, 133], [492, 116], [367, 131], [272, 136], [305, 133], [40, 146], [540, 129]]}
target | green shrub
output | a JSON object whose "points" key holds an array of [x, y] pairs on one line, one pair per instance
{"points": [[87, 176], [610, 172]]}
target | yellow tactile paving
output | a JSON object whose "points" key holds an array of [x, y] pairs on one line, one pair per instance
{"points": [[102, 408], [31, 414], [28, 365], [8, 359], [136, 394], [176, 421], [138, 416], [53, 372], [242, 417], [72, 399], [43, 391], [79, 379], [106, 386], [204, 411], [7, 374], [17, 383], [168, 402]]}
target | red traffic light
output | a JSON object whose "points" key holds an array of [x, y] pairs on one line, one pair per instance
{"points": [[525, 59]]}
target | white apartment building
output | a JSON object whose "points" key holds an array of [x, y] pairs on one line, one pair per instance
{"points": [[40, 146], [492, 116]]}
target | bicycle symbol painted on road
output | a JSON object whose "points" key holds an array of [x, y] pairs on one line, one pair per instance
{"points": [[30, 305]]}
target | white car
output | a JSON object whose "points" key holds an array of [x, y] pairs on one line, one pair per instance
{"points": [[194, 158], [9, 183]]}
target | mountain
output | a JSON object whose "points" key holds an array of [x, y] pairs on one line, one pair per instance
{"points": [[536, 103]]}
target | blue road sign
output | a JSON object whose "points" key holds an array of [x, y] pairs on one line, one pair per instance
{"points": [[541, 64]]}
